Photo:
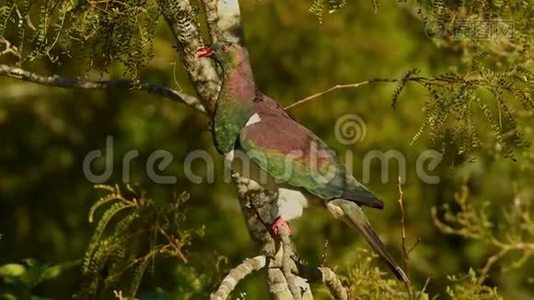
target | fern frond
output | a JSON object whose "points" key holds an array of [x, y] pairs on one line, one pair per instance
{"points": [[137, 275], [102, 223], [100, 202], [401, 84]]}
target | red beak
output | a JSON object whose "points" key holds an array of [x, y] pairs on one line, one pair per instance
{"points": [[205, 52]]}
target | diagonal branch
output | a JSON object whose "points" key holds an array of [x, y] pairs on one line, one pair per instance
{"points": [[237, 274], [326, 276], [62, 82], [338, 87]]}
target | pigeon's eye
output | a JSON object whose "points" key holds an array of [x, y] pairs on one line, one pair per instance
{"points": [[224, 48]]}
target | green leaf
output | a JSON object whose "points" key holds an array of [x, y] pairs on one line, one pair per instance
{"points": [[12, 270]]}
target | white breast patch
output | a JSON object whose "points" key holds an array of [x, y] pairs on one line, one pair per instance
{"points": [[229, 156], [253, 120], [291, 203]]}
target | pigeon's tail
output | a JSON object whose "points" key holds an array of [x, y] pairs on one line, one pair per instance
{"points": [[363, 197], [353, 215]]}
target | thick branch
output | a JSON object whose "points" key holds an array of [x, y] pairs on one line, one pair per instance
{"points": [[329, 278], [237, 274], [62, 82], [181, 18], [259, 209], [229, 21], [288, 265], [212, 18], [326, 276]]}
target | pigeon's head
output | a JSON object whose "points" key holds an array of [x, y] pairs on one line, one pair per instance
{"points": [[225, 53]]}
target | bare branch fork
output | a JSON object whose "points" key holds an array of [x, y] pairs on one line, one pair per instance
{"points": [[9, 49]]}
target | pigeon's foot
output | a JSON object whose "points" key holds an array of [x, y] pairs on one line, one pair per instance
{"points": [[279, 223]]}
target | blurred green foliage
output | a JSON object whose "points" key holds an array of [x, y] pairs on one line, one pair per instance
{"points": [[46, 132]]}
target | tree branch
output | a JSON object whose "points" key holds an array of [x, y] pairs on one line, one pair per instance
{"points": [[259, 209], [338, 87], [181, 18], [326, 276], [237, 274], [58, 81], [229, 21], [9, 49], [409, 77], [212, 19], [288, 265], [405, 252]]}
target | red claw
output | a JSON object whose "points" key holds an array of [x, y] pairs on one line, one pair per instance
{"points": [[278, 223]]}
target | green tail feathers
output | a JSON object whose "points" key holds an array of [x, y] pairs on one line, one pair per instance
{"points": [[363, 197], [354, 216]]}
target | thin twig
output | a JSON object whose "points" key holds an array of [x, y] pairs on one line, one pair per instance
{"points": [[489, 263], [405, 253], [403, 228], [423, 290], [414, 246], [338, 87], [441, 81], [237, 274], [62, 82]]}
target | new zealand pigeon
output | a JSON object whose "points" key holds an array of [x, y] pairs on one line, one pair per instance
{"points": [[283, 155]]}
